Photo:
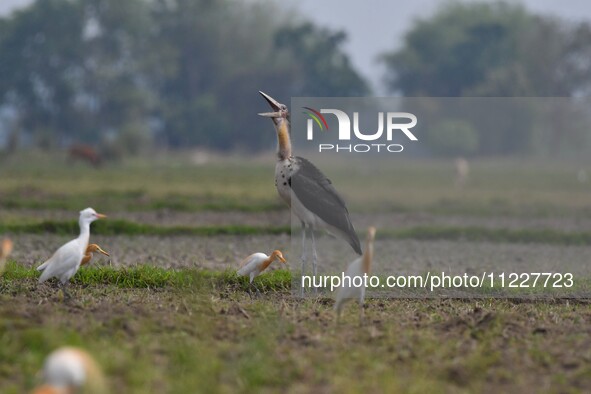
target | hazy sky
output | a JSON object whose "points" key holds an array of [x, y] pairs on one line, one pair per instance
{"points": [[375, 26]]}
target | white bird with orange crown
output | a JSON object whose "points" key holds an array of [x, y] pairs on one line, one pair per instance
{"points": [[359, 267], [71, 370], [67, 259], [253, 265]]}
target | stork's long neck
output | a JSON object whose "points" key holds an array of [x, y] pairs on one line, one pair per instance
{"points": [[283, 140], [368, 256]]}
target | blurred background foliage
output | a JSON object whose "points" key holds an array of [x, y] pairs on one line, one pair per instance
{"points": [[494, 50], [498, 50], [133, 75], [179, 73]]}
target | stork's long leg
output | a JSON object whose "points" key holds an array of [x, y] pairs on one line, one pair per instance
{"points": [[303, 259]]}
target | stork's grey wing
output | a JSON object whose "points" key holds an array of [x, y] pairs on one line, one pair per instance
{"points": [[316, 193]]}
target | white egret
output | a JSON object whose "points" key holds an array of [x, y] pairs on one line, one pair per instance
{"points": [[71, 370], [67, 259], [359, 267], [253, 265], [306, 190]]}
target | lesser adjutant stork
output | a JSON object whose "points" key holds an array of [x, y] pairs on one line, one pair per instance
{"points": [[308, 192]]}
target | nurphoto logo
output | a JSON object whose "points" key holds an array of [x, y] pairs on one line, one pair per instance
{"points": [[372, 141]]}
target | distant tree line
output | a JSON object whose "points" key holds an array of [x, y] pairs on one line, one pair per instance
{"points": [[182, 73], [178, 72], [497, 50]]}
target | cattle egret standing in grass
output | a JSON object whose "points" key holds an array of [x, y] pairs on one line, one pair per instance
{"points": [[359, 267], [5, 250], [66, 260], [92, 248], [253, 265], [71, 370], [307, 191]]}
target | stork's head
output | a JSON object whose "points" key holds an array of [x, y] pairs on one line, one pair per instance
{"points": [[89, 215], [277, 255], [95, 248], [280, 112]]}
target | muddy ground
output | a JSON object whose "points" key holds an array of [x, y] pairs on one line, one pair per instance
{"points": [[403, 346]]}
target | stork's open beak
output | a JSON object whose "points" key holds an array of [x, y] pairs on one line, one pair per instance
{"points": [[98, 249], [274, 105], [100, 216]]}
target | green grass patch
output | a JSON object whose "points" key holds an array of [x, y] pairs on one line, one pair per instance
{"points": [[139, 200], [152, 277], [147, 276], [523, 188]]}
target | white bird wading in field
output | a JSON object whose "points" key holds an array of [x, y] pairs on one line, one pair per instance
{"points": [[253, 265], [67, 259], [307, 191], [359, 267], [71, 370], [5, 250]]}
